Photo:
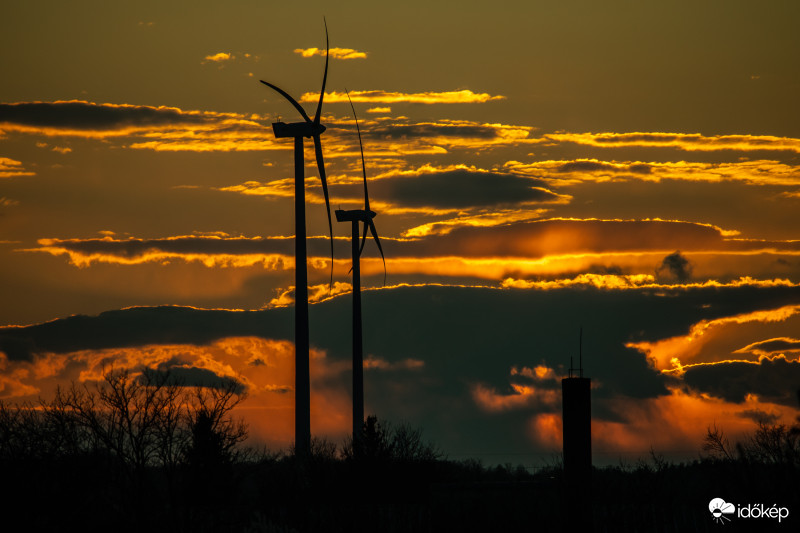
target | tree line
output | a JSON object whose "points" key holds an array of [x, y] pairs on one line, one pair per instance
{"points": [[143, 451]]}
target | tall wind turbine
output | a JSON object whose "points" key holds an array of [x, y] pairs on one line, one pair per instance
{"points": [[354, 217], [298, 130]]}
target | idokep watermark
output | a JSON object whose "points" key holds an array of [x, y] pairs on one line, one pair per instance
{"points": [[722, 511]]}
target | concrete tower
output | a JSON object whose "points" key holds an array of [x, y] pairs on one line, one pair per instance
{"points": [[577, 451]]}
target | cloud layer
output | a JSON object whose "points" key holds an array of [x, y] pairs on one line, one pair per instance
{"points": [[488, 359], [464, 96], [335, 53]]}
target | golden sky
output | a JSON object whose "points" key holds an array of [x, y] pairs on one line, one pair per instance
{"points": [[632, 168]]}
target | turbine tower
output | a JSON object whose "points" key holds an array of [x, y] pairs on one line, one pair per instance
{"points": [[355, 216], [577, 443], [298, 130]]}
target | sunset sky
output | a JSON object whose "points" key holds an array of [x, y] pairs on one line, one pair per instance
{"points": [[631, 168]]}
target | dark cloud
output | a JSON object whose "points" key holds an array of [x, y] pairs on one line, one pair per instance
{"points": [[674, 267], [462, 189], [640, 137], [18, 344], [452, 327], [542, 237], [613, 270], [130, 248], [80, 115], [775, 380], [466, 337], [527, 239], [758, 415], [138, 326], [424, 131], [593, 166], [133, 248], [178, 373]]}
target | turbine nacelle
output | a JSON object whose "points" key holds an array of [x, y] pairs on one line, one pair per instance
{"points": [[297, 129], [355, 215]]}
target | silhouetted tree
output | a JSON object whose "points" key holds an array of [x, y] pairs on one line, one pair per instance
{"points": [[210, 450], [773, 443], [129, 441], [381, 441], [716, 444], [214, 434], [376, 443], [769, 444], [409, 446]]}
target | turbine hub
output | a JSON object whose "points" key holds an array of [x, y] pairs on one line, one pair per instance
{"points": [[354, 215], [296, 129]]}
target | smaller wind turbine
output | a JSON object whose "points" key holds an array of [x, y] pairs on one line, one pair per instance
{"points": [[355, 216]]}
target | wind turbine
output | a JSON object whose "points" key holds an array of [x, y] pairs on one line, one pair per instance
{"points": [[298, 130], [355, 216]]}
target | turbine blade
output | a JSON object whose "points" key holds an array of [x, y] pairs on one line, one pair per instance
{"points": [[363, 165], [363, 239], [363, 172], [291, 100], [323, 178], [324, 76], [378, 242]]}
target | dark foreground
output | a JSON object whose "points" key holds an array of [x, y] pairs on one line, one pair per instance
{"points": [[325, 493], [138, 453]]}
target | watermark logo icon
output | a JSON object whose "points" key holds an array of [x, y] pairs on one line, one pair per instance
{"points": [[719, 508]]}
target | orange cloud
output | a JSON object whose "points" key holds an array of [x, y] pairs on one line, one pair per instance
{"points": [[464, 96], [211, 260], [546, 430], [510, 271], [393, 137], [10, 168], [523, 396], [575, 172], [637, 281], [675, 353], [335, 53], [283, 188], [316, 293], [771, 347], [530, 254], [682, 141], [172, 129], [538, 373], [673, 425], [665, 424], [265, 367], [219, 57]]}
